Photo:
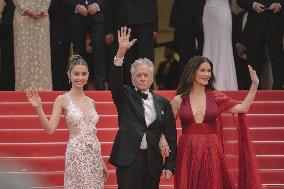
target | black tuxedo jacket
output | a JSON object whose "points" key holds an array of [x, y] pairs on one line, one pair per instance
{"points": [[7, 21], [59, 22], [130, 12], [132, 126], [267, 20], [239, 35], [8, 13], [98, 17], [185, 12]]}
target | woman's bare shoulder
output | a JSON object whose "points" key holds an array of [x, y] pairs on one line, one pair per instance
{"points": [[176, 100]]}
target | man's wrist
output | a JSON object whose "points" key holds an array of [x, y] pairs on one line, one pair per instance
{"points": [[120, 53], [118, 61]]}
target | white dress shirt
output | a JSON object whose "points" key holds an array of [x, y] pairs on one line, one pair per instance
{"points": [[150, 115]]}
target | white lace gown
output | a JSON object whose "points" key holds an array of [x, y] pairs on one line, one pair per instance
{"points": [[217, 25], [83, 160]]}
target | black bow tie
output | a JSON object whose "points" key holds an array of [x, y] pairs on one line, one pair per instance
{"points": [[143, 95]]}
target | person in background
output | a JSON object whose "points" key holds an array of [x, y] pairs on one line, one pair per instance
{"points": [[167, 76], [7, 70], [265, 28], [142, 18], [239, 38], [186, 19], [217, 26], [32, 45], [60, 43], [89, 16]]}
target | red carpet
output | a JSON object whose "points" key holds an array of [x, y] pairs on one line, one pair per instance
{"points": [[32, 152]]}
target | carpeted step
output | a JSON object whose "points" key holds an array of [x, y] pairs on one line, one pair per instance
{"points": [[41, 164], [32, 122], [56, 178], [169, 187], [58, 148], [108, 135], [110, 121], [108, 108], [102, 96], [25, 108]]}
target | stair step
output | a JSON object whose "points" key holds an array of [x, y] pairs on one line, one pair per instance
{"points": [[57, 178], [164, 187], [101, 96], [25, 108], [58, 148], [32, 122], [108, 135], [110, 121], [108, 108], [41, 164]]}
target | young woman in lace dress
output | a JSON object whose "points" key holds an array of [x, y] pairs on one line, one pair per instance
{"points": [[84, 166]]}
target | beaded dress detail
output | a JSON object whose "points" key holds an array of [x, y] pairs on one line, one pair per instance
{"points": [[83, 160]]}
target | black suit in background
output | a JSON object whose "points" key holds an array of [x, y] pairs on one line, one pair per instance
{"points": [[186, 19], [239, 36], [126, 154], [7, 75], [142, 17], [60, 43], [265, 28], [94, 24]]}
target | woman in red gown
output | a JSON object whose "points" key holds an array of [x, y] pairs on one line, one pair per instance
{"points": [[201, 162]]}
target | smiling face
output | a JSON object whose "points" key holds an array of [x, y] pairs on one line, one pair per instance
{"points": [[142, 78], [79, 76], [202, 74]]}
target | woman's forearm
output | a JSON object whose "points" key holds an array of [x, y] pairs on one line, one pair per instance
{"points": [[249, 98], [44, 121]]}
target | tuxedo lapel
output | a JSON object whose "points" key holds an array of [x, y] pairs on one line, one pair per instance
{"points": [[158, 107]]}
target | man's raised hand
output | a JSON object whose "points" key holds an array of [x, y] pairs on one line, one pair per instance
{"points": [[124, 43]]}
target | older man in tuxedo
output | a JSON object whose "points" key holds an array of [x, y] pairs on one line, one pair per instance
{"points": [[88, 16], [265, 27], [142, 118]]}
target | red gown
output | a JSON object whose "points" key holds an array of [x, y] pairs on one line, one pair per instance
{"points": [[201, 162]]}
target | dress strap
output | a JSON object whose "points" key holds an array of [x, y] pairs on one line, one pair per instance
{"points": [[68, 97], [89, 99]]}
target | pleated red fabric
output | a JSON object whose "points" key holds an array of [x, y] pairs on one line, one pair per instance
{"points": [[205, 160]]}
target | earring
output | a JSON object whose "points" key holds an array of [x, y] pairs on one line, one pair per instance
{"points": [[69, 80]]}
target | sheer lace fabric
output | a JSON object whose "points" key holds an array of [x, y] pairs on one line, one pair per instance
{"points": [[83, 161]]}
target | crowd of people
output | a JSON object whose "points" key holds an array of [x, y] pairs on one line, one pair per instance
{"points": [[38, 37]]}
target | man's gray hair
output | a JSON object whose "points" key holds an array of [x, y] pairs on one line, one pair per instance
{"points": [[141, 61]]}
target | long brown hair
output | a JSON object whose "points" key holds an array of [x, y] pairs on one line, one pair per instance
{"points": [[188, 75]]}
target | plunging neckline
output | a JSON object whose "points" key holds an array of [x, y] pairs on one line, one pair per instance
{"points": [[80, 109], [205, 111]]}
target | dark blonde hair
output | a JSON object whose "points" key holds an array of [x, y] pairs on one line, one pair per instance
{"points": [[76, 60], [188, 75]]}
